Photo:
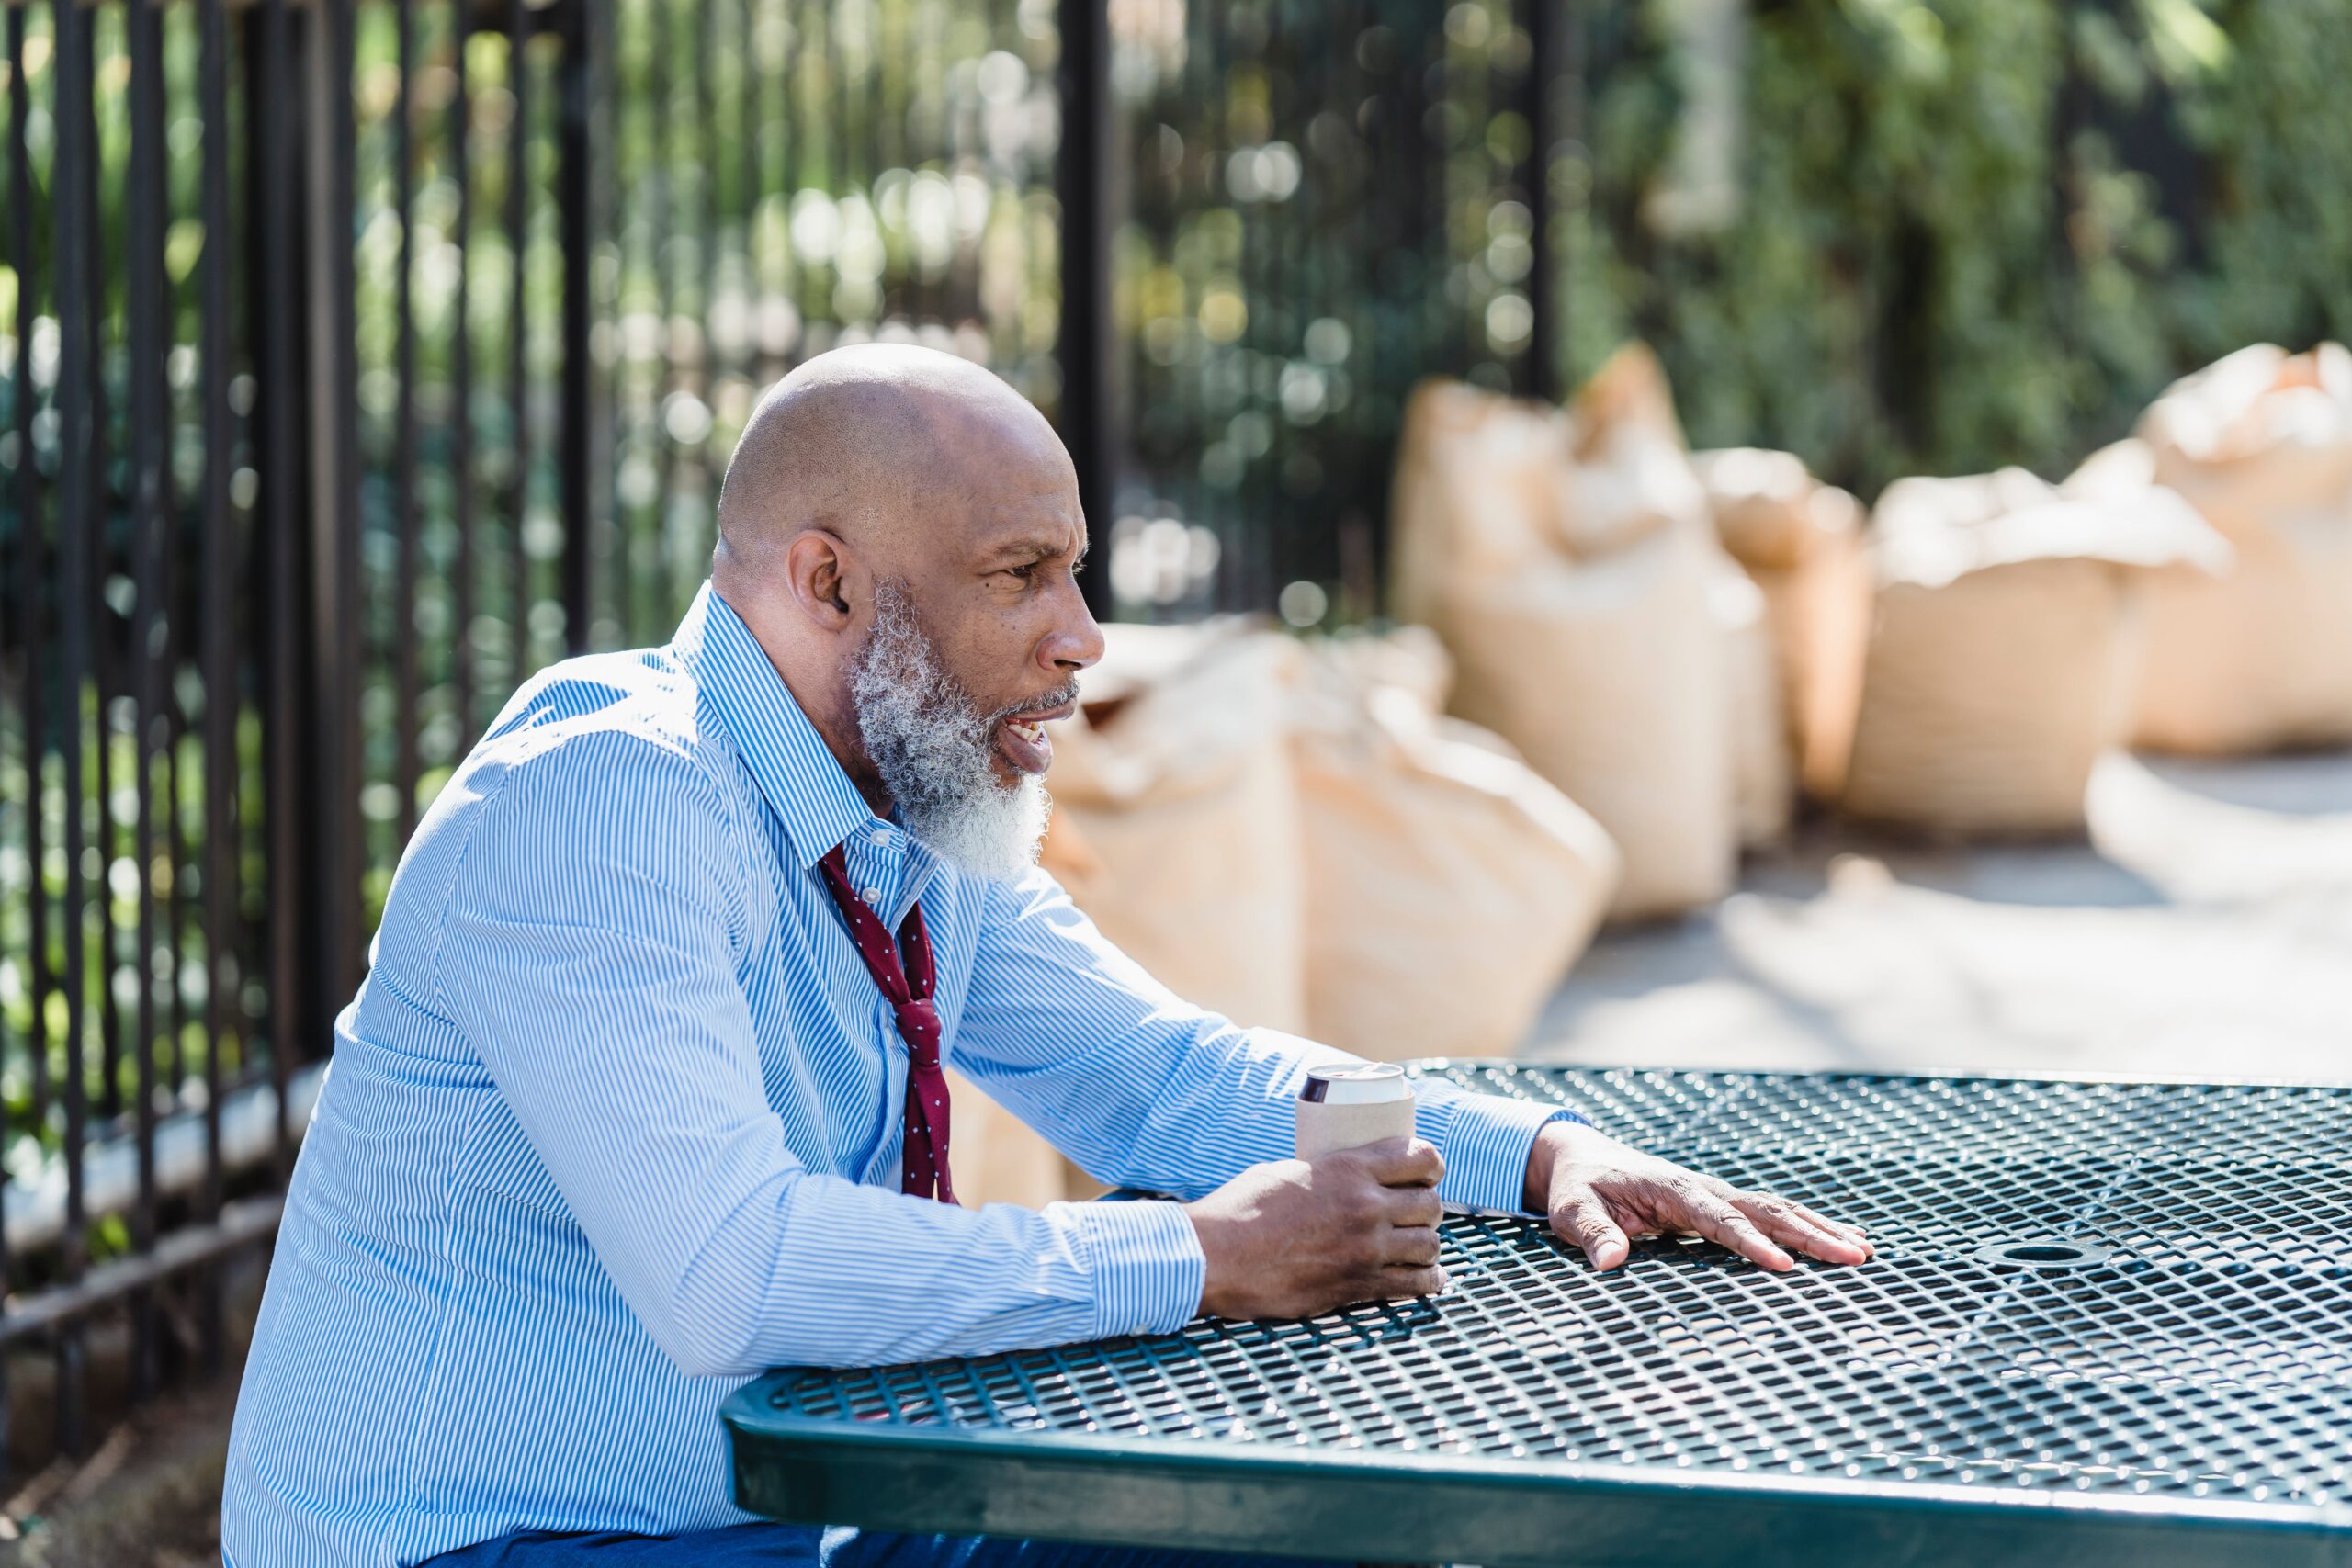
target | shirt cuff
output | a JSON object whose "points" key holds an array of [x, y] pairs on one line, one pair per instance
{"points": [[1146, 1264], [1486, 1143]]}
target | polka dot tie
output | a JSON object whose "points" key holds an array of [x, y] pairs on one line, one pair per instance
{"points": [[906, 980]]}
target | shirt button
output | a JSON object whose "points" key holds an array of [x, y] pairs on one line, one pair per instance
{"points": [[871, 894], [881, 835]]}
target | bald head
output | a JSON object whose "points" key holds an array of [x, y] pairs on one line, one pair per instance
{"points": [[884, 445], [902, 518]]}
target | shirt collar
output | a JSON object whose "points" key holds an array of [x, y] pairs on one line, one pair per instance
{"points": [[797, 774]]}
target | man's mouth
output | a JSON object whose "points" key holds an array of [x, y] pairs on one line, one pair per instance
{"points": [[1022, 740]]}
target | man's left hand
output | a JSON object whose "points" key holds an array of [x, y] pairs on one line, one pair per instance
{"points": [[1599, 1193]]}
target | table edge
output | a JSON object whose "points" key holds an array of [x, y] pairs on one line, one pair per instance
{"points": [[1213, 1457], [2176, 1080]]}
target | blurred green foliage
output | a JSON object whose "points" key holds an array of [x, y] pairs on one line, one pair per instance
{"points": [[1964, 232]]}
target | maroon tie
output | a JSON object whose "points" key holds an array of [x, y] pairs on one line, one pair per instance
{"points": [[908, 984]]}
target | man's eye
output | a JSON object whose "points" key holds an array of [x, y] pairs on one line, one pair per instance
{"points": [[1023, 572]]}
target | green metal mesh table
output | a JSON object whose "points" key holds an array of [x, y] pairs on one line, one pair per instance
{"points": [[2108, 1323]]}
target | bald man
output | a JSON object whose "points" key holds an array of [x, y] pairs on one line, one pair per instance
{"points": [[643, 1092]]}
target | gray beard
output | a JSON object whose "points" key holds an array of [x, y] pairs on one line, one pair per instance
{"points": [[935, 751]]}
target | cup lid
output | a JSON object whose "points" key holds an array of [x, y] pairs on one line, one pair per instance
{"points": [[1356, 1083]]}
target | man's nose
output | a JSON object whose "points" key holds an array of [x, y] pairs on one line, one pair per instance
{"points": [[1075, 641]]}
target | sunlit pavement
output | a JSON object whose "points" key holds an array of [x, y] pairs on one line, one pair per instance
{"points": [[2203, 930]]}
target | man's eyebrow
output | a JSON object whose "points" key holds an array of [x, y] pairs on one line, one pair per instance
{"points": [[1031, 550]]}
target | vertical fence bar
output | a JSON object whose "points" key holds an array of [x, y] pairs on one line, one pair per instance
{"points": [[221, 575], [28, 613], [645, 194], [32, 619], [106, 672], [518, 217], [337, 852], [1543, 49], [705, 163], [74, 253], [461, 382], [172, 1073], [171, 652], [664, 136], [1576, 45], [573, 197], [147, 409], [105, 665], [1086, 340], [406, 766], [272, 172], [748, 93]]}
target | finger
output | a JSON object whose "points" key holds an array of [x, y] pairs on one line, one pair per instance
{"points": [[1398, 1283], [1791, 1227], [1413, 1205], [1850, 1231], [1394, 1283], [1411, 1246], [1838, 1228], [1785, 1220], [1403, 1162], [1579, 1216], [1719, 1222]]}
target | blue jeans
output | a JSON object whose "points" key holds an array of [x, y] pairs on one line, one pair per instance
{"points": [[837, 1547]]}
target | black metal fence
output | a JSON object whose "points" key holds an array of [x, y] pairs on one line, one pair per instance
{"points": [[359, 356]]}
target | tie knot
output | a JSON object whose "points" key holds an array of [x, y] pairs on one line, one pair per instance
{"points": [[919, 1022]]}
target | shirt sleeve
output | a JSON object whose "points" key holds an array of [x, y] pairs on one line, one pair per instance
{"points": [[1144, 1089], [589, 951]]}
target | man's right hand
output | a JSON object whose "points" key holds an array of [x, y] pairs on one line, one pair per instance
{"points": [[1292, 1238]]}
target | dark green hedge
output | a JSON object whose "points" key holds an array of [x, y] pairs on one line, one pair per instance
{"points": [[1966, 233]]}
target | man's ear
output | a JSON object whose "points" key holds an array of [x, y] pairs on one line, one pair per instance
{"points": [[819, 570]]}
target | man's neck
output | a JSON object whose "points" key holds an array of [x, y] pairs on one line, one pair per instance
{"points": [[836, 725], [823, 698]]}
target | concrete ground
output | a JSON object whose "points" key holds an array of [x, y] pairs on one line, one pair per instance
{"points": [[2203, 930]]}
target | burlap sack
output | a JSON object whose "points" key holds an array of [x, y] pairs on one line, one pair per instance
{"points": [[1448, 887], [1629, 473], [1609, 676], [1593, 647], [1488, 485], [1177, 775], [1800, 543], [2260, 443], [1475, 492], [2000, 659], [1763, 759], [1821, 622]]}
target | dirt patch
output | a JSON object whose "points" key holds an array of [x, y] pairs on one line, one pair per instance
{"points": [[149, 1496]]}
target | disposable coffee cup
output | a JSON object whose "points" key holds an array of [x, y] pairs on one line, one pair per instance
{"points": [[1350, 1104]]}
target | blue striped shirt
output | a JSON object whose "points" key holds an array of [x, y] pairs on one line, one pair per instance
{"points": [[614, 1123]]}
